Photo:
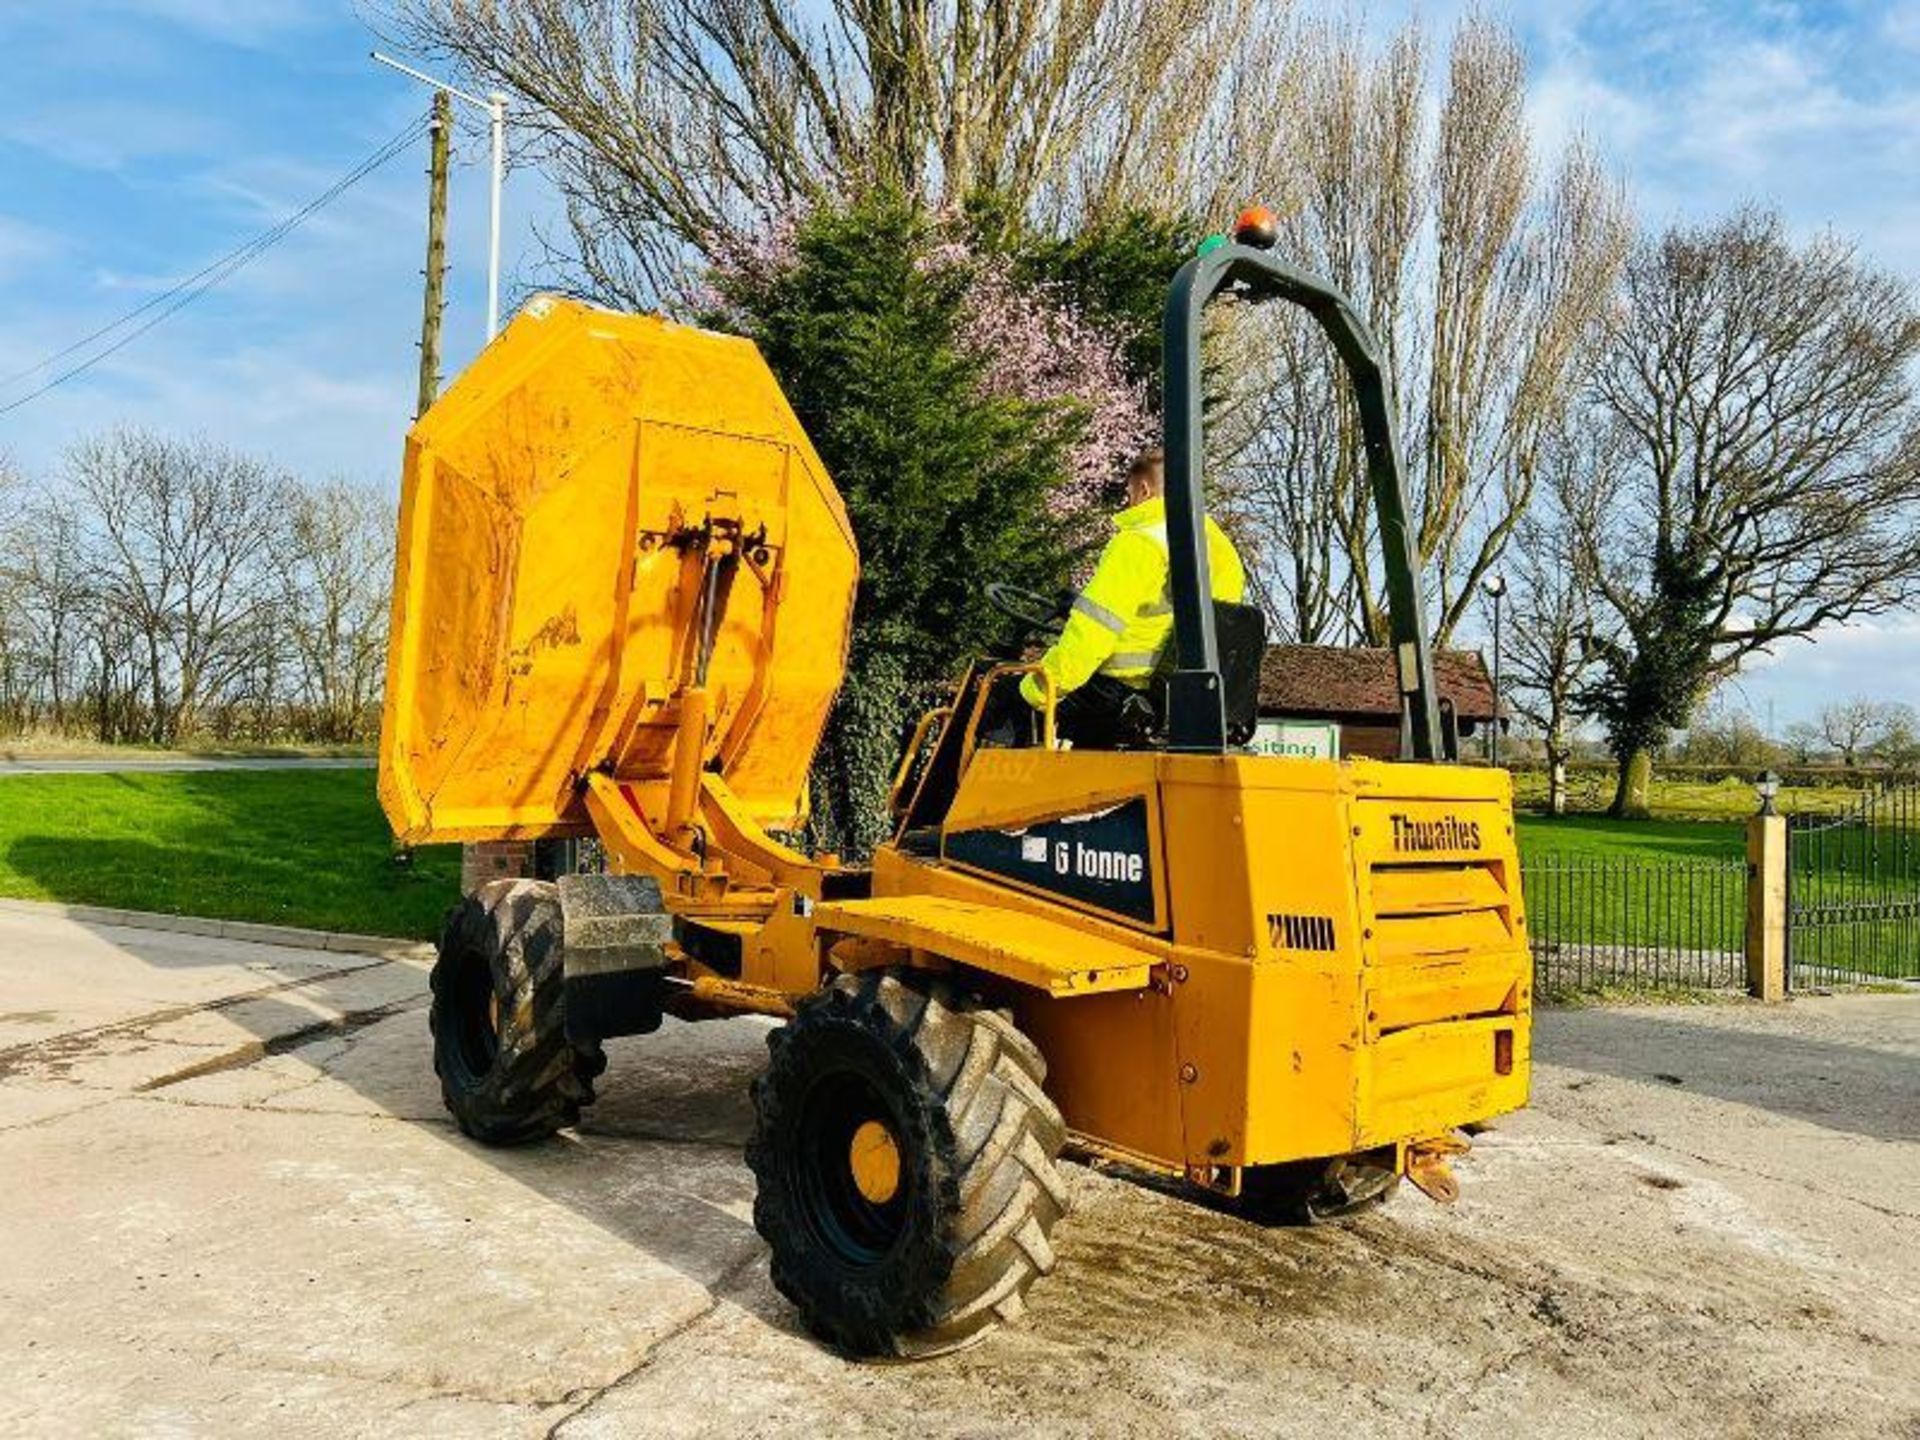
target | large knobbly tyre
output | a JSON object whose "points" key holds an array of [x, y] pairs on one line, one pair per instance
{"points": [[507, 1071], [905, 1156]]}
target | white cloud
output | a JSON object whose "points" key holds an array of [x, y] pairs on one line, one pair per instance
{"points": [[1901, 24], [1875, 658], [106, 132], [1707, 107], [22, 245]]}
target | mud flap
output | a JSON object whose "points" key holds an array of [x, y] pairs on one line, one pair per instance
{"points": [[615, 931]]}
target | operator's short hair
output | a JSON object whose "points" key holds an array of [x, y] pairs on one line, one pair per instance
{"points": [[1147, 462]]}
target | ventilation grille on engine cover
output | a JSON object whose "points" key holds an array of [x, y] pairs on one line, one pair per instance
{"points": [[1300, 932]]}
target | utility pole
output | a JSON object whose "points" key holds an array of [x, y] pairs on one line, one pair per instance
{"points": [[495, 104], [441, 130]]}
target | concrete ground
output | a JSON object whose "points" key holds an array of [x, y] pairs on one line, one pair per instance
{"points": [[232, 1206]]}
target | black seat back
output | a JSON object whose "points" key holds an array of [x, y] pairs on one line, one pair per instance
{"points": [[1241, 632]]}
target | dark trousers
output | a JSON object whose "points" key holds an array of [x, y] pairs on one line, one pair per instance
{"points": [[1104, 714]]}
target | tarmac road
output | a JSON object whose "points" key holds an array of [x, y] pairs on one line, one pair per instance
{"points": [[231, 1205]]}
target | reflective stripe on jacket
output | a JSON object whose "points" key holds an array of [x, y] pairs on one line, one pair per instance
{"points": [[1124, 616]]}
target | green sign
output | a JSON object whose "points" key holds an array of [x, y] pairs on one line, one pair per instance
{"points": [[1297, 739]]}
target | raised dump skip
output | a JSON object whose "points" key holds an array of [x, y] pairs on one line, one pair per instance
{"points": [[603, 511]]}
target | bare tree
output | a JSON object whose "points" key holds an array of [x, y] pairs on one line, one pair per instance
{"points": [[678, 127], [18, 657], [1547, 651], [336, 563], [1802, 741], [181, 532], [56, 587], [159, 588], [1856, 726], [1481, 278], [1898, 744], [1722, 734], [1762, 475]]}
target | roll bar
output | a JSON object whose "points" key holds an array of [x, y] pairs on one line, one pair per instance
{"points": [[1196, 704]]}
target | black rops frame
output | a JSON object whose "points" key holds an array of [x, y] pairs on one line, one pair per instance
{"points": [[1196, 706]]}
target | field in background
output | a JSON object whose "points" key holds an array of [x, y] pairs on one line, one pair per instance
{"points": [[1589, 792], [290, 847], [45, 746]]}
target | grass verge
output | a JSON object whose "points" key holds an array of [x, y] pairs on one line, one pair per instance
{"points": [[289, 847]]}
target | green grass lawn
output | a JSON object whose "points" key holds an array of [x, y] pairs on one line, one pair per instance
{"points": [[1598, 838], [291, 847]]}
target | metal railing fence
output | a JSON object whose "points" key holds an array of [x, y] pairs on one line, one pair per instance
{"points": [[1636, 923]]}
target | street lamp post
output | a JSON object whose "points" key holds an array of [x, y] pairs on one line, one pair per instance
{"points": [[1496, 586], [496, 107]]}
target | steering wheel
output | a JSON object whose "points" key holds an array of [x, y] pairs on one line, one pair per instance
{"points": [[1028, 608]]}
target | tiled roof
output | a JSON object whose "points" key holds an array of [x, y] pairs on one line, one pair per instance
{"points": [[1328, 680]]}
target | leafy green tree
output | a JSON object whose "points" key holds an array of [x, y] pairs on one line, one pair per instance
{"points": [[946, 481], [1753, 472]]}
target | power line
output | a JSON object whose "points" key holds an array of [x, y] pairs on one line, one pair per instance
{"points": [[170, 301]]}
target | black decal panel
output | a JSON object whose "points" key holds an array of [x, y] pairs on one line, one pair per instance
{"points": [[1101, 858]]}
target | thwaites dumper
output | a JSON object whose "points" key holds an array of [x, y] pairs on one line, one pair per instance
{"points": [[625, 585]]}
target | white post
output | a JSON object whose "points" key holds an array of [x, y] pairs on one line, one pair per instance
{"points": [[497, 104], [496, 107]]}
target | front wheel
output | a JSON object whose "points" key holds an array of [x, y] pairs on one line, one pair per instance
{"points": [[905, 1156], [508, 1073]]}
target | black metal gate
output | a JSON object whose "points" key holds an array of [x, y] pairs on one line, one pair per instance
{"points": [[1853, 893]]}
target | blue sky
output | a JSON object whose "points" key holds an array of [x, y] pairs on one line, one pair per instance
{"points": [[142, 138]]}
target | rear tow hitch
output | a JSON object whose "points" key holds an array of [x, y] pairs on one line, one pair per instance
{"points": [[1429, 1166]]}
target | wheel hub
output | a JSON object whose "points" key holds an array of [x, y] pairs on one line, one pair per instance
{"points": [[874, 1157]]}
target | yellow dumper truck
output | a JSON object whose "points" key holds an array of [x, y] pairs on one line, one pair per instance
{"points": [[622, 605]]}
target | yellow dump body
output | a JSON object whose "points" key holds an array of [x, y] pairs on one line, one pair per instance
{"points": [[565, 510]]}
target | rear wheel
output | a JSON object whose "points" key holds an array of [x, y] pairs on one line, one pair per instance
{"points": [[905, 1156], [508, 1073]]}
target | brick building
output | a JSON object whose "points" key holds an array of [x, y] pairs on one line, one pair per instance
{"points": [[1357, 690]]}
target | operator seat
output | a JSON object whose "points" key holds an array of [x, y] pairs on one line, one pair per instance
{"points": [[1241, 633]]}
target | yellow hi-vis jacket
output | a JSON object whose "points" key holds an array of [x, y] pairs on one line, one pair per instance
{"points": [[1124, 616]]}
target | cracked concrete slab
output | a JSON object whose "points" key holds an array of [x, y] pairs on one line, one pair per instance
{"points": [[106, 974], [235, 1207]]}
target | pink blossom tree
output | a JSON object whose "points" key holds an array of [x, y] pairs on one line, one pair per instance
{"points": [[1032, 344], [1036, 347]]}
